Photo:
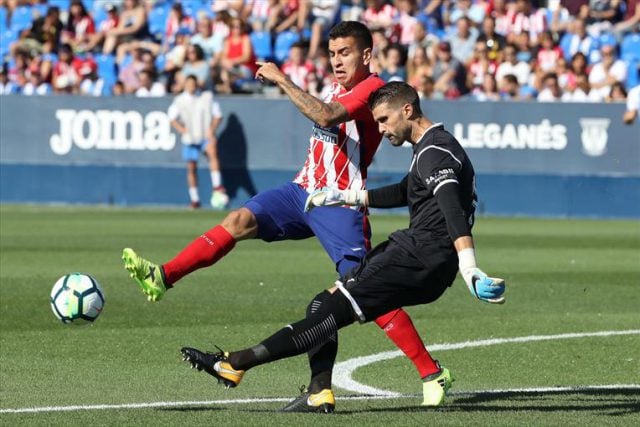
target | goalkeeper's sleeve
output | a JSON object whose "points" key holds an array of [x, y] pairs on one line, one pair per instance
{"points": [[391, 196]]}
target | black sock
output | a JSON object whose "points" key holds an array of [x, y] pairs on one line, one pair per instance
{"points": [[323, 357]]}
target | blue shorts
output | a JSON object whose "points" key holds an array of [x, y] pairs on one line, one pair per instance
{"points": [[191, 152], [344, 233]]}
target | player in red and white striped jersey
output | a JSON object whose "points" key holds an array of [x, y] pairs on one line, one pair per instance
{"points": [[343, 141]]}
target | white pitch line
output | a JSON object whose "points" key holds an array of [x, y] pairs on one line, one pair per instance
{"points": [[149, 405], [343, 371]]}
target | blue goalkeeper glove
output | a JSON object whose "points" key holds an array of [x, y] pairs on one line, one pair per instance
{"points": [[483, 287], [333, 197]]}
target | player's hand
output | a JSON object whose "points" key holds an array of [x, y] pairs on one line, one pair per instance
{"points": [[483, 287], [268, 71], [324, 197]]}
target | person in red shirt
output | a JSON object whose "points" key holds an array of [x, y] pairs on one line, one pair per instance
{"points": [[66, 72], [238, 59], [299, 69], [80, 26], [343, 141]]}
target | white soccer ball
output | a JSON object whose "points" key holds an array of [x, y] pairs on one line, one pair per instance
{"points": [[77, 299], [219, 200]]}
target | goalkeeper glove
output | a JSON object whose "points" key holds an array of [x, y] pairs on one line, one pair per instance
{"points": [[481, 286], [333, 197]]}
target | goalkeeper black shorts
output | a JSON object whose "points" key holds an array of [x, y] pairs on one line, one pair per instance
{"points": [[390, 277]]}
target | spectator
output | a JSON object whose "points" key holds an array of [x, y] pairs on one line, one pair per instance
{"points": [[464, 8], [196, 116], [423, 40], [510, 88], [394, 69], [66, 72], [551, 91], [463, 40], [419, 65], [92, 84], [284, 16], [603, 15], [520, 69], [129, 73], [479, 66], [195, 65], [503, 17], [488, 91], [148, 86], [7, 87], [44, 34], [407, 20], [631, 18], [580, 92], [380, 15], [577, 40], [618, 93], [118, 89], [548, 54], [132, 25], [96, 40], [321, 14], [633, 104], [298, 68], [605, 73], [177, 20], [35, 85], [210, 43], [448, 73], [320, 87], [528, 20], [238, 60], [426, 88], [80, 27], [492, 40]]}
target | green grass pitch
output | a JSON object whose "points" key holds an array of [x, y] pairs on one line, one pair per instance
{"points": [[563, 276]]}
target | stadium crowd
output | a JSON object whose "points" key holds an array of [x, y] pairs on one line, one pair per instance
{"points": [[555, 50]]}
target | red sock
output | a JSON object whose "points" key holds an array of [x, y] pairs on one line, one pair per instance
{"points": [[202, 252], [399, 328]]}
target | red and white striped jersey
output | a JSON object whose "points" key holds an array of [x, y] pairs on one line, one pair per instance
{"points": [[338, 157]]}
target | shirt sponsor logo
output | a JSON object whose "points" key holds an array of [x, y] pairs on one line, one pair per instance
{"points": [[542, 136], [328, 135], [594, 136], [439, 176], [111, 130]]}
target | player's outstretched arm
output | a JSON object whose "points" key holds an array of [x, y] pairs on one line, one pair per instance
{"points": [[324, 114]]}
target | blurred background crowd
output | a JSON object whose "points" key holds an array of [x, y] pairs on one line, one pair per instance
{"points": [[546, 50]]}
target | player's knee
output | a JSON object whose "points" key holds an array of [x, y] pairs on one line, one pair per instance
{"points": [[336, 304], [241, 224], [317, 302]]}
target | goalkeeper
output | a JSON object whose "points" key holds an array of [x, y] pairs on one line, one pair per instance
{"points": [[414, 266]]}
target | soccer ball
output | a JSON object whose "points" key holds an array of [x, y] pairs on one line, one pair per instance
{"points": [[77, 298], [219, 200]]}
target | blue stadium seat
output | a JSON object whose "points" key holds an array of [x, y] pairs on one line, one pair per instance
{"points": [[607, 39], [21, 18], [62, 4], [158, 21], [633, 73], [284, 40], [160, 62], [106, 68], [3, 19], [630, 47], [261, 42], [6, 38], [99, 16]]}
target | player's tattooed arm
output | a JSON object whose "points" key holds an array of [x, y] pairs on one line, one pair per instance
{"points": [[322, 113]]}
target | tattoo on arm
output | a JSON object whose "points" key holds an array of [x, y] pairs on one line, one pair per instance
{"points": [[320, 112]]}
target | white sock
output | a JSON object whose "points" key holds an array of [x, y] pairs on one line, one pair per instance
{"points": [[216, 179], [193, 194]]}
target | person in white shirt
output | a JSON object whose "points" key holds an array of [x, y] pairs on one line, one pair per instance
{"points": [[148, 87], [633, 105], [606, 72], [510, 65], [551, 91], [196, 116]]}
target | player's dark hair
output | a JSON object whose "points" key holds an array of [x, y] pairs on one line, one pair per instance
{"points": [[354, 29], [397, 94]]}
